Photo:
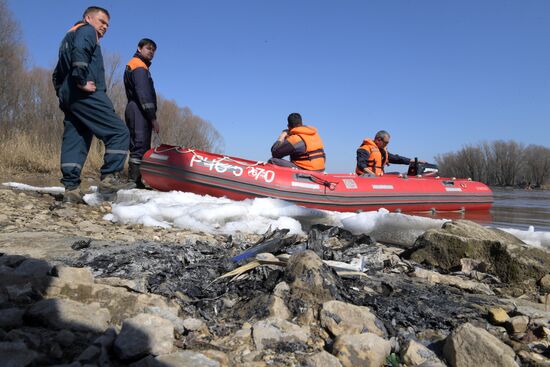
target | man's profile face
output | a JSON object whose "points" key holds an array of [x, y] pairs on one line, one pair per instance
{"points": [[382, 142], [99, 20], [147, 51]]}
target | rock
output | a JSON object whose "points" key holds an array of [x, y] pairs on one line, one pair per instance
{"points": [[281, 290], [16, 354], [65, 338], [361, 350], [67, 314], [468, 345], [311, 283], [120, 302], [168, 314], [138, 285], [342, 318], [506, 256], [34, 268], [497, 316], [272, 332], [11, 318], [20, 292], [144, 334], [192, 324], [98, 354], [73, 275], [186, 358], [277, 308], [533, 359], [467, 285], [90, 227], [544, 283], [322, 359], [416, 353], [517, 324]]}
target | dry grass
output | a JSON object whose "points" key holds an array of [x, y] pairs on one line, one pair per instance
{"points": [[28, 152]]}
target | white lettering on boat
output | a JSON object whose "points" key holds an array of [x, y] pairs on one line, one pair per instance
{"points": [[261, 173], [349, 183], [160, 157], [215, 165], [453, 189], [218, 166], [382, 187], [305, 185]]}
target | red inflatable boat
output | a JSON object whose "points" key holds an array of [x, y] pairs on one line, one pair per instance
{"points": [[169, 168]]}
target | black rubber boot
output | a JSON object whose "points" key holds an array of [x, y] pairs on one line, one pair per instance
{"points": [[134, 175]]}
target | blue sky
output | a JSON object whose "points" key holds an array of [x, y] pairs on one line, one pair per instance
{"points": [[437, 75]]}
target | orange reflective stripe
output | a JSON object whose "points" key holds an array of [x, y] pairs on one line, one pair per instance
{"points": [[135, 63], [75, 27]]}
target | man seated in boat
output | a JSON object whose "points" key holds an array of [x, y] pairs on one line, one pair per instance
{"points": [[372, 156], [302, 143]]}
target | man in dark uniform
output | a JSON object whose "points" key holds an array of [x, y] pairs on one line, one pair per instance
{"points": [[79, 82], [141, 111]]}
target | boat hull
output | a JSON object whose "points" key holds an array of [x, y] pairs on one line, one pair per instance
{"points": [[168, 168]]}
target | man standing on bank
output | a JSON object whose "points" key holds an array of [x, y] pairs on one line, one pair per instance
{"points": [[141, 111], [79, 82]]}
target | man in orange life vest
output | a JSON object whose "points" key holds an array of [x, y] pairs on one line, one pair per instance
{"points": [[302, 143], [141, 110], [372, 155]]}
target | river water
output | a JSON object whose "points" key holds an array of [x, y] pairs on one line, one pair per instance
{"points": [[513, 208]]}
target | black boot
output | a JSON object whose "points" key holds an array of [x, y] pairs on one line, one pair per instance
{"points": [[134, 175]]}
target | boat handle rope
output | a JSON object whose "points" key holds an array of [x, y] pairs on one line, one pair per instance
{"points": [[318, 180], [198, 157]]}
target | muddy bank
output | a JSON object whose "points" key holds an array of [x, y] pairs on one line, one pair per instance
{"points": [[80, 289]]}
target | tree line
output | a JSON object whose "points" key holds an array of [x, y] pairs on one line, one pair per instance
{"points": [[31, 124], [499, 163]]}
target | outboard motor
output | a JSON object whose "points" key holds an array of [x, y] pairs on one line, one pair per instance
{"points": [[423, 169]]}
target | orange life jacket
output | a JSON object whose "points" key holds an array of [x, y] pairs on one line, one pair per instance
{"points": [[375, 163], [314, 157]]}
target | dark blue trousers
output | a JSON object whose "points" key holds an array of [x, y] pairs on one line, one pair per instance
{"points": [[140, 132], [84, 118]]}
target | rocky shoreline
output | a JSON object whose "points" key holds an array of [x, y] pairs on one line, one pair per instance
{"points": [[77, 290]]}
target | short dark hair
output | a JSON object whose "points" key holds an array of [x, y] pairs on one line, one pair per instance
{"points": [[147, 41], [294, 119], [381, 134], [95, 9]]}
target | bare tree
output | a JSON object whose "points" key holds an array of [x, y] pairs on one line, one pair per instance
{"points": [[12, 59], [537, 164]]}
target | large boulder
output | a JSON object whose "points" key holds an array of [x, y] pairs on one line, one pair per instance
{"points": [[472, 346], [504, 255]]}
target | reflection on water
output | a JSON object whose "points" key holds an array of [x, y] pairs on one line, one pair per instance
{"points": [[513, 208]]}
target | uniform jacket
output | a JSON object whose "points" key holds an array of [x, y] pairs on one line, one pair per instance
{"points": [[80, 61], [139, 86]]}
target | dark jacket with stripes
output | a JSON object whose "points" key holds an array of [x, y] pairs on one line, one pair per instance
{"points": [[139, 86], [80, 61]]}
